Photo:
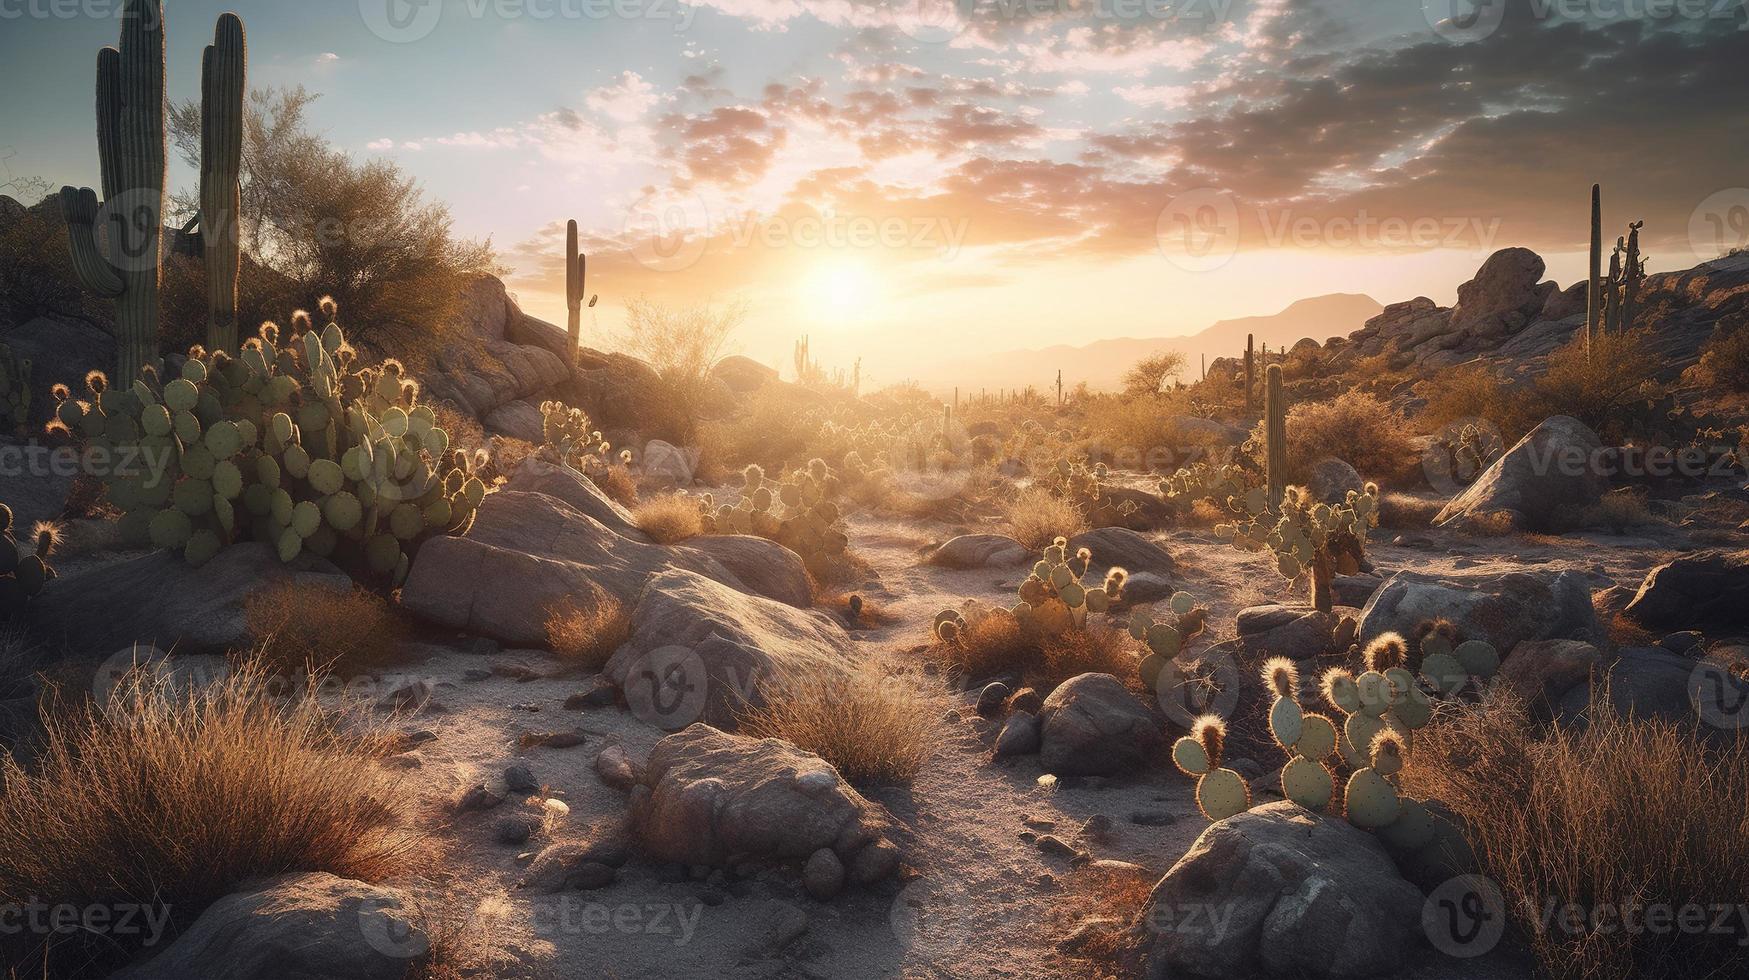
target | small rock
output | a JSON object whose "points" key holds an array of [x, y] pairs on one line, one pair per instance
{"points": [[515, 831], [408, 696], [479, 797], [615, 768], [1097, 827], [1152, 818], [875, 862], [1038, 823], [1021, 736], [991, 699], [476, 674], [1051, 844], [823, 875], [563, 740], [600, 694], [519, 778], [416, 738], [1026, 699]]}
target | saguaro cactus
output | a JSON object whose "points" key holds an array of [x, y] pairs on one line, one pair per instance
{"points": [[1275, 437], [576, 268], [1594, 285], [223, 80], [1250, 369], [125, 265]]}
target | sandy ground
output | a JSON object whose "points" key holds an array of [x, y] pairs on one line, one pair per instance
{"points": [[984, 902]]}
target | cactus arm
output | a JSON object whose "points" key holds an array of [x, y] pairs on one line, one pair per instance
{"points": [[79, 206], [223, 83]]}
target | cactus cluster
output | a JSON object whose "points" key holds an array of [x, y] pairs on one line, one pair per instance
{"points": [[1164, 639], [1468, 452], [290, 443], [1056, 598], [799, 512], [1220, 793], [14, 392], [572, 439], [1308, 537], [23, 574]]}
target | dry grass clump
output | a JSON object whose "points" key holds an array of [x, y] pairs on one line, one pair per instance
{"points": [[1354, 427], [618, 483], [1406, 512], [584, 636], [1036, 517], [874, 727], [1617, 512], [1473, 392], [1724, 361], [670, 518], [301, 628], [171, 796], [464, 430], [994, 643], [1090, 919], [1630, 815]]}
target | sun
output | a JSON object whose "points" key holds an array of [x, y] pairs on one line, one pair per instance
{"points": [[840, 291]]}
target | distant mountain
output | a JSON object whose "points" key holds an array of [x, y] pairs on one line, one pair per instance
{"points": [[1102, 364]]}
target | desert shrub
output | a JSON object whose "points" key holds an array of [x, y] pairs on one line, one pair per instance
{"points": [[507, 453], [1150, 375], [682, 344], [996, 643], [873, 727], [1473, 392], [1629, 813], [170, 797], [617, 482], [1405, 512], [465, 431], [1618, 512], [1145, 433], [585, 635], [1036, 517], [36, 269], [776, 428], [1595, 386], [1354, 427], [1724, 361], [299, 628], [669, 518]]}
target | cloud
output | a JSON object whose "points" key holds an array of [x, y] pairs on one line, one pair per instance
{"points": [[626, 100]]}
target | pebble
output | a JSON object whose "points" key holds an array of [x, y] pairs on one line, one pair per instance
{"points": [[479, 797], [515, 831], [823, 875], [519, 778], [991, 698], [1152, 818]]}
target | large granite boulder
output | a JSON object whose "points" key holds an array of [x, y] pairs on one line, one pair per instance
{"points": [[1091, 725], [1123, 548], [1647, 682], [158, 599], [1330, 479], [506, 356], [1506, 294], [1280, 891], [299, 927], [1503, 609], [1551, 474], [1295, 632], [711, 798], [763, 566], [517, 420], [978, 551], [743, 374], [702, 651], [537, 475], [1707, 591]]}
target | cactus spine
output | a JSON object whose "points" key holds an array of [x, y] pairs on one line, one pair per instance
{"points": [[131, 150], [576, 286], [223, 80], [1275, 437]]}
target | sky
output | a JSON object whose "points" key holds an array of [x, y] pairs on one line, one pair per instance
{"points": [[932, 179]]}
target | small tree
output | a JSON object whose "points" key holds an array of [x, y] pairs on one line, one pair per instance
{"points": [[1150, 376], [682, 344]]}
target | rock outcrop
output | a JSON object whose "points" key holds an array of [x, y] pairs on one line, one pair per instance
{"points": [[1503, 609], [1555, 471], [1092, 726], [1707, 591]]}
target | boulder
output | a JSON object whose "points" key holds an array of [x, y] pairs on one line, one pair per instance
{"points": [[1504, 609], [1707, 590], [518, 420], [1020, 736], [1354, 590], [1552, 473], [1330, 479], [506, 356], [711, 798], [1295, 632], [743, 374], [1649, 682], [1543, 671], [1091, 725], [528, 554], [296, 926], [1124, 548], [764, 566], [978, 551], [700, 650], [1563, 303], [669, 464], [1137, 510], [537, 475], [621, 392], [158, 599], [1280, 891], [1505, 294]]}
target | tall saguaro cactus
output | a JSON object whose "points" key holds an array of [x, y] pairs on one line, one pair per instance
{"points": [[1250, 369], [1275, 437], [575, 285], [124, 263], [224, 70], [1594, 286]]}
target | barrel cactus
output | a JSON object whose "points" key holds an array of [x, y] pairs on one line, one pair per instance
{"points": [[1220, 793], [23, 573], [290, 442]]}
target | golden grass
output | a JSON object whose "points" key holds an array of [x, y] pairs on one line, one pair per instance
{"points": [[1405, 512], [1617, 512], [1354, 427], [585, 636], [619, 485], [1100, 893], [171, 796], [874, 727], [1630, 813], [995, 643], [670, 518], [1035, 517], [299, 628]]}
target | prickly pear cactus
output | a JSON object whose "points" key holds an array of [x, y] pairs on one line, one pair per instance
{"points": [[800, 512], [23, 574], [290, 443], [1220, 793], [1167, 639], [1056, 598], [1308, 538]]}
